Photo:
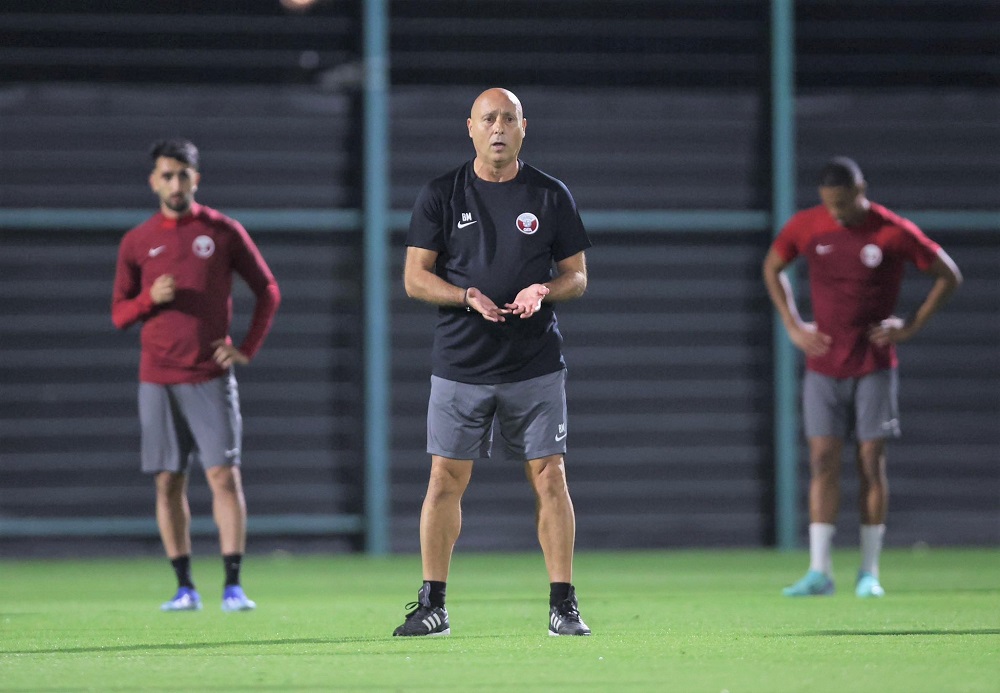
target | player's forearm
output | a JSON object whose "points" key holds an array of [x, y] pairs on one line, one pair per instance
{"points": [[260, 323], [426, 286], [570, 281], [939, 294], [947, 278], [566, 286], [779, 289], [127, 312]]}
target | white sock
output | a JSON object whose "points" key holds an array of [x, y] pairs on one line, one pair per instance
{"points": [[871, 547], [821, 547]]}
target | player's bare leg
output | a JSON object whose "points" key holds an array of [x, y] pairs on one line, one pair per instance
{"points": [[825, 453], [228, 507], [824, 500], [440, 525], [554, 516], [873, 482], [874, 505], [441, 515], [173, 517], [230, 512], [556, 522], [173, 514]]}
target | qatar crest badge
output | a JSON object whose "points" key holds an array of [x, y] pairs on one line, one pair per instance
{"points": [[871, 256], [203, 247], [527, 223]]}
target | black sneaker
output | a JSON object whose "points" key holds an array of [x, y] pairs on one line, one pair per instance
{"points": [[424, 619], [564, 617]]}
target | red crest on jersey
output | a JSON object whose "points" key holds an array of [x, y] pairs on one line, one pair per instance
{"points": [[527, 223], [203, 246], [871, 256]]}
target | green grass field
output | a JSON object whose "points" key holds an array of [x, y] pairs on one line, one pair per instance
{"points": [[683, 621]]}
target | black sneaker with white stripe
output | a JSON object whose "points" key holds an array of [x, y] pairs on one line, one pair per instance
{"points": [[564, 617], [424, 619]]}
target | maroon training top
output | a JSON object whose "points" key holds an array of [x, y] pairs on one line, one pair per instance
{"points": [[855, 274], [201, 250]]}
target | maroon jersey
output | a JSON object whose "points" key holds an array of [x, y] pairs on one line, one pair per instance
{"points": [[201, 250], [854, 276]]}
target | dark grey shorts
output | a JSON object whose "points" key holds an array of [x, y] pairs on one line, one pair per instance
{"points": [[864, 408], [186, 423], [530, 415]]}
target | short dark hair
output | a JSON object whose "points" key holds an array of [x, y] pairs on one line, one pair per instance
{"points": [[178, 148], [841, 172]]}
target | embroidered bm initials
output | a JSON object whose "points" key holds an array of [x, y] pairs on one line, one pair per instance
{"points": [[466, 216]]}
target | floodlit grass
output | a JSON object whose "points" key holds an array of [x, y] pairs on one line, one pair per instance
{"points": [[682, 621]]}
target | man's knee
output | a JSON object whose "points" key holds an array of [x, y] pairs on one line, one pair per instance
{"points": [[448, 477], [223, 479], [548, 476], [824, 457], [170, 485], [871, 461]]}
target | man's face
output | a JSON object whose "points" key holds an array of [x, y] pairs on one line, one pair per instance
{"points": [[175, 183], [846, 204], [496, 127]]}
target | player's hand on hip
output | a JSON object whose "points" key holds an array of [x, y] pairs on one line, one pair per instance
{"points": [[227, 355], [528, 301], [892, 330], [810, 340], [163, 289]]}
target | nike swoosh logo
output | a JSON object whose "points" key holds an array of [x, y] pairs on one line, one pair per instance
{"points": [[560, 437], [463, 224], [153, 252]]}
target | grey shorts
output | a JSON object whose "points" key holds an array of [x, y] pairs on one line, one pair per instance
{"points": [[865, 408], [185, 423], [530, 415]]}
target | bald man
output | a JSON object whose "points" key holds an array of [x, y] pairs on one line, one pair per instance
{"points": [[494, 244]]}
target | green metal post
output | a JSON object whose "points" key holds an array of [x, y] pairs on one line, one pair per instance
{"points": [[782, 207], [376, 275]]}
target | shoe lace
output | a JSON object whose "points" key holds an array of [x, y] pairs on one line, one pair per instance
{"points": [[415, 608], [568, 610]]}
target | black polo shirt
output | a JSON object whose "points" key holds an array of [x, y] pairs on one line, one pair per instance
{"points": [[499, 238]]}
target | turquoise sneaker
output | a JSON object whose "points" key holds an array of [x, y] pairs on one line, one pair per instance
{"points": [[186, 599], [868, 586], [814, 584]]}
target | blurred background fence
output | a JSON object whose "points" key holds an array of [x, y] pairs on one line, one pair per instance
{"points": [[657, 115]]}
